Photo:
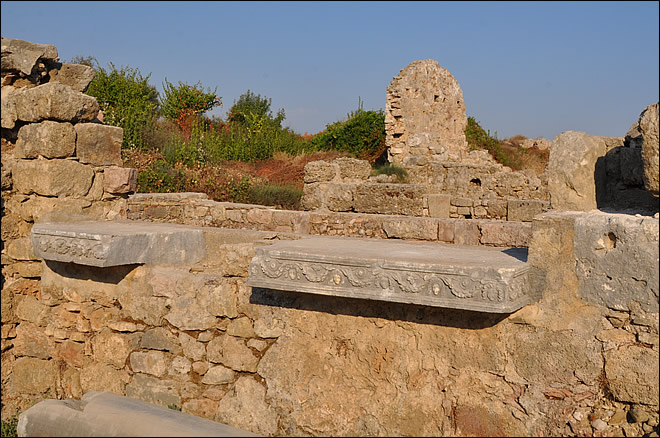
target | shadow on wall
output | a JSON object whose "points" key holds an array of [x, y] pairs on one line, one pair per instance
{"points": [[111, 275], [463, 319], [618, 179]]}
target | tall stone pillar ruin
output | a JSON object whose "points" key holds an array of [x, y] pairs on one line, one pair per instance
{"points": [[425, 115]]}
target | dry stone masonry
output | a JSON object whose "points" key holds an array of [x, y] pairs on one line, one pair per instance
{"points": [[547, 325]]}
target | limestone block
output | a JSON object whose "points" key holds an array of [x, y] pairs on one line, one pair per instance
{"points": [[218, 375], [472, 278], [524, 210], [319, 171], [97, 413], [105, 243], [55, 101], [648, 124], [411, 228], [52, 177], [617, 259], [149, 362], [8, 107], [113, 348], [49, 139], [119, 180], [352, 169], [233, 353], [99, 145], [406, 199], [571, 170], [103, 377], [20, 249], [438, 205], [33, 376], [338, 196], [246, 407], [466, 232], [22, 56], [506, 234], [159, 338], [632, 372], [76, 76]]}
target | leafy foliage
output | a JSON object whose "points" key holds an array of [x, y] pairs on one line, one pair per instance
{"points": [[252, 109], [478, 138], [391, 169], [362, 135], [9, 427], [186, 103], [282, 196], [127, 101]]}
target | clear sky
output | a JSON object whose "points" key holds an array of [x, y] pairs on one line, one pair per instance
{"points": [[530, 68]]}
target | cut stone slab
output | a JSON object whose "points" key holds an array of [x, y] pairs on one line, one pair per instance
{"points": [[102, 244], [482, 279], [108, 414]]}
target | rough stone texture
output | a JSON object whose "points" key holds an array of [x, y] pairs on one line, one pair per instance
{"points": [[22, 56], [99, 145], [52, 177], [525, 210], [388, 199], [8, 107], [97, 414], [606, 244], [439, 205], [425, 113], [629, 377], [114, 243], [76, 76], [419, 273], [648, 126], [119, 180], [48, 139], [53, 101], [571, 169]]}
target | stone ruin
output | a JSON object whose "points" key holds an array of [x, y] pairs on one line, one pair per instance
{"points": [[320, 322]]}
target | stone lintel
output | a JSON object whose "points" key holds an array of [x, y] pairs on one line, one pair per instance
{"points": [[482, 279], [104, 243]]}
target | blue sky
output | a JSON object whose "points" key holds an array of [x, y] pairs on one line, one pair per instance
{"points": [[530, 68]]}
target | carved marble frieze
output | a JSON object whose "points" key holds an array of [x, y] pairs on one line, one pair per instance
{"points": [[452, 276]]}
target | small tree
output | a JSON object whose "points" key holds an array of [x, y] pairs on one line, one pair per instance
{"points": [[251, 109], [184, 103], [127, 101]]}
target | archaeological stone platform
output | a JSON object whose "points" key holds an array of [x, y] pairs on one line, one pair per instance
{"points": [[106, 243], [482, 279], [108, 414]]}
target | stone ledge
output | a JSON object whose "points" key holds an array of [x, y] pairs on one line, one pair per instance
{"points": [[481, 279], [107, 414], [103, 244]]}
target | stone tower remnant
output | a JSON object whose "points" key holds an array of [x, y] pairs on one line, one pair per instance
{"points": [[425, 114]]}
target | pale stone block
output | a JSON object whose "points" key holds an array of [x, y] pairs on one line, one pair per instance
{"points": [[49, 139], [52, 177], [524, 210], [55, 101], [438, 205], [99, 145], [76, 76], [119, 180]]}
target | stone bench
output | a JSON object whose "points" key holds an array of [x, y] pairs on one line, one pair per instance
{"points": [[108, 414], [103, 244], [482, 279]]}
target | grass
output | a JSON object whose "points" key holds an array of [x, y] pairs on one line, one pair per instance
{"points": [[9, 427], [391, 169]]}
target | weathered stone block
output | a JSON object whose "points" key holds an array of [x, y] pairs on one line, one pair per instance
{"points": [[99, 145], [98, 243], [49, 139], [55, 101], [411, 228], [22, 56], [34, 376], [352, 169], [338, 196], [8, 107], [119, 180], [76, 76], [506, 234], [632, 372], [524, 210], [439, 205], [479, 278], [149, 362], [52, 177], [405, 199], [466, 232], [648, 125], [319, 171]]}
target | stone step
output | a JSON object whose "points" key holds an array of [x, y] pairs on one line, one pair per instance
{"points": [[107, 414], [483, 279], [110, 243]]}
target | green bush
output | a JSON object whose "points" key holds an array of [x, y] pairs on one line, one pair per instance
{"points": [[391, 169], [127, 101], [9, 427], [252, 109], [478, 138], [161, 177], [361, 135], [286, 196]]}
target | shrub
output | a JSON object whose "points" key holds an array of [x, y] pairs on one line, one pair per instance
{"points": [[361, 135], [391, 169], [252, 108], [478, 138], [9, 427], [186, 103], [161, 177], [282, 196], [127, 101]]}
